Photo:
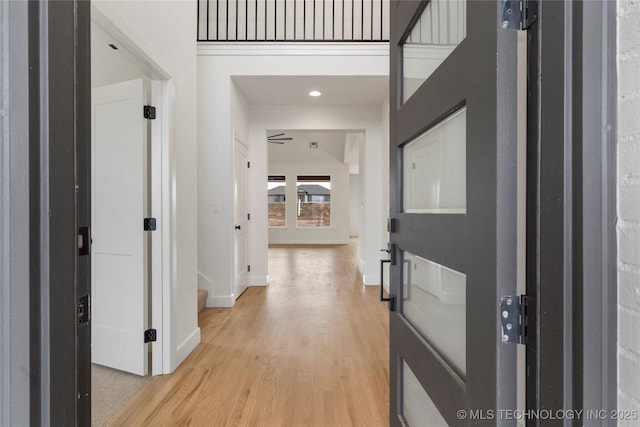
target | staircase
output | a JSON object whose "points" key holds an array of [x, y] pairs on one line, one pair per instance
{"points": [[202, 299]]}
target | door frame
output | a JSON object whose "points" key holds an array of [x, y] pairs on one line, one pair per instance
{"points": [[572, 259], [45, 369], [161, 267], [237, 140]]}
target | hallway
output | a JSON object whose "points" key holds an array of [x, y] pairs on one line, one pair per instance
{"points": [[310, 349]]}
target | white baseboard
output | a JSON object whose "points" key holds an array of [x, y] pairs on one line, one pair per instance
{"points": [[185, 349], [371, 280], [204, 282], [306, 241], [258, 280], [221, 301]]}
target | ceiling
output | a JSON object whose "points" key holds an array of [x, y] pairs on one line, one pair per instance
{"points": [[294, 90]]}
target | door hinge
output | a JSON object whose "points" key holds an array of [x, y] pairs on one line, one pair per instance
{"points": [[149, 224], [513, 317], [248, 164], [391, 225], [149, 112], [248, 268], [248, 216], [518, 14], [84, 241], [150, 335], [83, 309]]}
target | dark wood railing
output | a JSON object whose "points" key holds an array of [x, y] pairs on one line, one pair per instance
{"points": [[293, 20]]}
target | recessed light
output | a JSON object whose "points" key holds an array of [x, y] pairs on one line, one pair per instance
{"points": [[314, 93]]}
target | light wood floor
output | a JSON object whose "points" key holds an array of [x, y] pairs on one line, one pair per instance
{"points": [[311, 349]]}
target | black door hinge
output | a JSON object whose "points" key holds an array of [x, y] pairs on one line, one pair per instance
{"points": [[248, 164], [248, 268], [149, 112], [248, 216], [150, 335], [84, 241], [149, 224], [391, 225], [513, 319], [518, 14], [83, 309]]}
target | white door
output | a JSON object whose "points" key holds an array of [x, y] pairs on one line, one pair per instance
{"points": [[120, 246], [241, 223]]}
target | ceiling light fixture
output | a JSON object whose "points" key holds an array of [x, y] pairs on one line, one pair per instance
{"points": [[314, 93]]}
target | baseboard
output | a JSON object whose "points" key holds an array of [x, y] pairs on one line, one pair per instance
{"points": [[221, 301], [308, 241], [371, 280], [186, 348], [204, 282], [258, 280]]}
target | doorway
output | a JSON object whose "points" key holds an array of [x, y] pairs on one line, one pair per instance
{"points": [[122, 180]]}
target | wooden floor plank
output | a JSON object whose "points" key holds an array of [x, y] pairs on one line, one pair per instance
{"points": [[310, 349]]}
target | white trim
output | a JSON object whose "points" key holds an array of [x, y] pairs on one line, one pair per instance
{"points": [[259, 281], [133, 46], [186, 348], [371, 280], [156, 256], [293, 49], [221, 301], [166, 224], [307, 241]]}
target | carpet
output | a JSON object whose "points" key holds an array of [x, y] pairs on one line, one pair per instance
{"points": [[111, 391]]}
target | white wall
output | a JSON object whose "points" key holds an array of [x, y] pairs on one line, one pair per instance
{"points": [[628, 207], [338, 232], [355, 182], [217, 64], [374, 177], [108, 65], [145, 23]]}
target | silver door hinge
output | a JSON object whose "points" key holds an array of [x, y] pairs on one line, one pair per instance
{"points": [[518, 14], [513, 319]]}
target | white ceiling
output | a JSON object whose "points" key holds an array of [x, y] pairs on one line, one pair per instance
{"points": [[294, 90], [331, 147]]}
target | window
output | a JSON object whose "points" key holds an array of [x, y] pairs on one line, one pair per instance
{"points": [[277, 196], [313, 205]]}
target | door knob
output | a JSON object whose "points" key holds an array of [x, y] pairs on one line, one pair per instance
{"points": [[238, 227]]}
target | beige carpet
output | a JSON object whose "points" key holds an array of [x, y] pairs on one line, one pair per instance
{"points": [[111, 390]]}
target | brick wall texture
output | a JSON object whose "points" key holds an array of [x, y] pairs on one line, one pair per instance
{"points": [[629, 206]]}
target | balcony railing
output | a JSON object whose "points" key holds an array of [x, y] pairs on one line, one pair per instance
{"points": [[293, 20]]}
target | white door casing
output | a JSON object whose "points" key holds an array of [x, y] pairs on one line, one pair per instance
{"points": [[119, 156], [241, 223]]}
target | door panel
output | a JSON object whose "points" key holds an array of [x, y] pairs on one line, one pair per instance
{"points": [[241, 236], [445, 175], [417, 407], [120, 244]]}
